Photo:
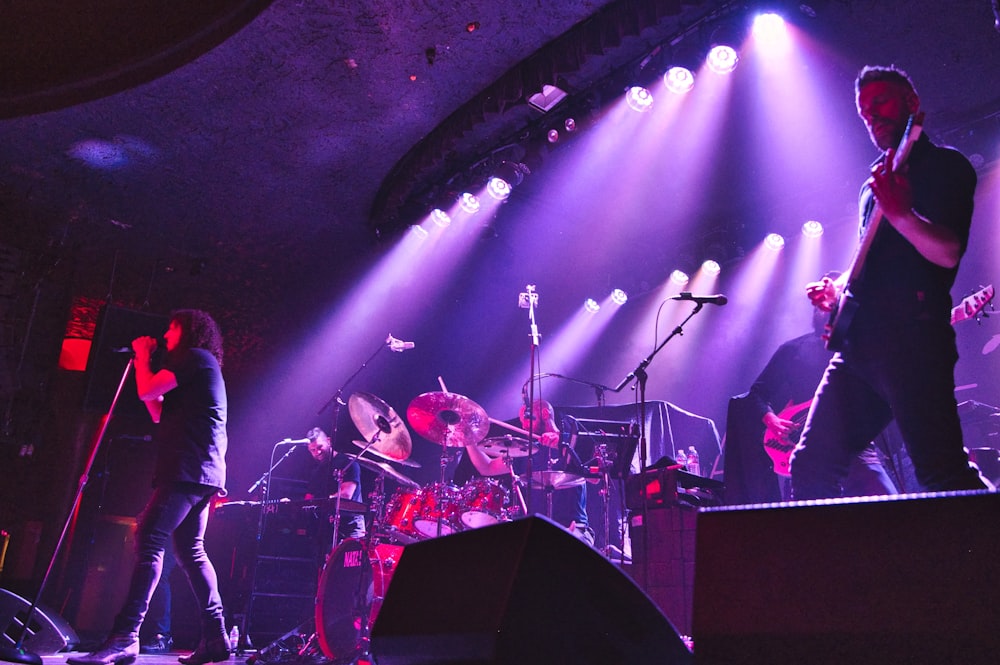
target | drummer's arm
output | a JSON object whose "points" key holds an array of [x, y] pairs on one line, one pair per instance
{"points": [[346, 490], [486, 465]]}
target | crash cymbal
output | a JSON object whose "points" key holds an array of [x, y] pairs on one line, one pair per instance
{"points": [[507, 446], [386, 469], [448, 419], [413, 464], [555, 480], [379, 422]]}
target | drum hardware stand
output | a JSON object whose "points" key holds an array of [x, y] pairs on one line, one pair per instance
{"points": [[17, 653], [640, 377]]}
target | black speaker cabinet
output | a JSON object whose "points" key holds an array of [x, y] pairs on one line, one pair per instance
{"points": [[911, 579], [116, 328], [520, 592], [47, 634]]}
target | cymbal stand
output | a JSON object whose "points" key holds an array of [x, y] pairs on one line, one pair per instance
{"points": [[439, 490], [516, 484], [639, 375], [601, 453]]}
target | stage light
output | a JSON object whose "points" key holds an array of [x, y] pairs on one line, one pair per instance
{"points": [[639, 99], [679, 80], [774, 241], [679, 277], [570, 125], [418, 231], [722, 59], [711, 267], [812, 229], [498, 188], [619, 297], [591, 305], [553, 136], [768, 26], [469, 203], [440, 217]]}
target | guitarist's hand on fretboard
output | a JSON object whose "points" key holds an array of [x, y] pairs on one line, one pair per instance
{"points": [[778, 428]]}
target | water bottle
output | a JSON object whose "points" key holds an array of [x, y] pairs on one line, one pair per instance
{"points": [[681, 459], [693, 464], [234, 638]]}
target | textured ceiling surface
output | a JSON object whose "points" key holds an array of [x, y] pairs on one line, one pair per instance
{"points": [[242, 176]]}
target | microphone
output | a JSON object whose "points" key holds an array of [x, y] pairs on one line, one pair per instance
{"points": [[717, 299], [121, 349], [398, 345], [294, 442]]}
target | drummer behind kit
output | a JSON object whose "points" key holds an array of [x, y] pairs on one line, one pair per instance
{"points": [[357, 571]]}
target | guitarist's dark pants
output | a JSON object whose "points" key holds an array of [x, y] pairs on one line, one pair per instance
{"points": [[904, 372]]}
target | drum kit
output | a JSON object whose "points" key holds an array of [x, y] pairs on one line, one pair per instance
{"points": [[358, 571]]}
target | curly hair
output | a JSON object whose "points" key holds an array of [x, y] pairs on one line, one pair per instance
{"points": [[891, 74], [199, 331]]}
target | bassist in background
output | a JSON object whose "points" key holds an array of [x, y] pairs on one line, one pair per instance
{"points": [[898, 354], [780, 398]]}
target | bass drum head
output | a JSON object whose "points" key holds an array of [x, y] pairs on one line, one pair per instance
{"points": [[350, 595]]}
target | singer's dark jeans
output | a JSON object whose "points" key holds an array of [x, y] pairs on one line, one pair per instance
{"points": [[179, 510], [904, 372]]}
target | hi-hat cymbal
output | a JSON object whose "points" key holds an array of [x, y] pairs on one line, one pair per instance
{"points": [[387, 469], [379, 422], [413, 464], [448, 419], [554, 480], [508, 446]]}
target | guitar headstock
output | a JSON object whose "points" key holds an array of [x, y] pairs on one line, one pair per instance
{"points": [[973, 306]]}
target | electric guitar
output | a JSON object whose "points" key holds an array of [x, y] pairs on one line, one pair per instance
{"points": [[779, 449], [846, 306]]}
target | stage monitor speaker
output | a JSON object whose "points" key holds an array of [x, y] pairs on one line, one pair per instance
{"points": [[116, 328], [525, 592], [48, 633], [910, 579]]}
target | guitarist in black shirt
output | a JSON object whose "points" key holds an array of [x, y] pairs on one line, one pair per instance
{"points": [[896, 359]]}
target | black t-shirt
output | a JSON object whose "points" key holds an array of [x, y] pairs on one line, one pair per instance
{"points": [[191, 436]]}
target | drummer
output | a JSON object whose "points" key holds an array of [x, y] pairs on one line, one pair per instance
{"points": [[322, 480], [569, 504]]}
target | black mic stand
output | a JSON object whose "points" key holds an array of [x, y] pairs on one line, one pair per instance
{"points": [[17, 653], [639, 374]]}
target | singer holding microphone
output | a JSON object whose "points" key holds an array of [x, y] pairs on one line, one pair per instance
{"points": [[186, 397]]}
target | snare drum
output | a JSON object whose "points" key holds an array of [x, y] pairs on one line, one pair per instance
{"points": [[436, 503], [483, 501], [400, 513], [351, 589]]}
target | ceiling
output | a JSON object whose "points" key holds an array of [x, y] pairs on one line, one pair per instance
{"points": [[253, 158]]}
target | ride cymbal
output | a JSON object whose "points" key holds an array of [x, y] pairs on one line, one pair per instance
{"points": [[449, 419], [379, 423]]}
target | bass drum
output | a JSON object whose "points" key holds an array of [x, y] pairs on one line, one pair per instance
{"points": [[351, 589]]}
